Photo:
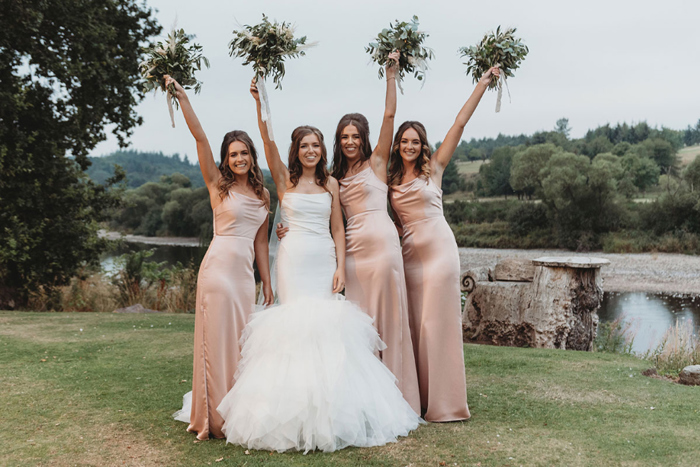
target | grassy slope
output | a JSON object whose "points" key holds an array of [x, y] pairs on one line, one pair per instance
{"points": [[469, 167], [688, 155], [104, 396]]}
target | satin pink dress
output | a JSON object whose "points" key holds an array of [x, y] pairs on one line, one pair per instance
{"points": [[431, 262], [374, 274], [225, 299]]}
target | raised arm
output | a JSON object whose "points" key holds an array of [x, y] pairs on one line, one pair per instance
{"points": [[279, 172], [210, 171], [444, 153], [338, 233], [380, 156]]}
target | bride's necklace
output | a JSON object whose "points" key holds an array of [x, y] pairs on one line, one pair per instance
{"points": [[310, 182]]}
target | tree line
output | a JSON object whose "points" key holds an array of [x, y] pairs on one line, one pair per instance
{"points": [[581, 191], [142, 167]]}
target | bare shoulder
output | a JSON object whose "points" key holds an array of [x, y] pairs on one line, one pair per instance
{"points": [[332, 184]]}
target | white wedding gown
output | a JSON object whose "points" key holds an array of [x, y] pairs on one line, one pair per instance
{"points": [[308, 376]]}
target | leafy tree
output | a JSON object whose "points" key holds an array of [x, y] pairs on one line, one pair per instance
{"points": [[562, 127], [452, 181], [677, 210], [67, 69], [620, 149], [552, 137], [526, 167], [661, 152], [639, 132], [477, 154], [495, 176], [598, 145], [642, 172], [691, 136], [581, 196], [169, 207]]}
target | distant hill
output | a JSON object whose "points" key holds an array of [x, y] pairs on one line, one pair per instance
{"points": [[143, 167]]}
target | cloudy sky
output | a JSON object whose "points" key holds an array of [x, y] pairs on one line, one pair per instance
{"points": [[593, 62]]}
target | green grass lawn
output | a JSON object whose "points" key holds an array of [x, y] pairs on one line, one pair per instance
{"points": [[105, 395]]}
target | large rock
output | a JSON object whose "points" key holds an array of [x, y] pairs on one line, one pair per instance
{"points": [[514, 269], [690, 375], [138, 308]]}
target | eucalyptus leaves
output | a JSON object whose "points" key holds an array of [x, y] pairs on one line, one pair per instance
{"points": [[176, 58], [408, 40], [265, 46], [500, 49]]}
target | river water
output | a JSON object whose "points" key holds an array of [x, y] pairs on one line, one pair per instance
{"points": [[650, 314]]}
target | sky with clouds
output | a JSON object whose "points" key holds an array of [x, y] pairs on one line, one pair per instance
{"points": [[593, 62]]}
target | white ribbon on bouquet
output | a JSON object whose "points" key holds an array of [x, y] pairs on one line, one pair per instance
{"points": [[169, 98], [501, 81], [264, 104]]}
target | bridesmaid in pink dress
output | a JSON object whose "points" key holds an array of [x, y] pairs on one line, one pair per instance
{"points": [[373, 265], [431, 262], [226, 284]]}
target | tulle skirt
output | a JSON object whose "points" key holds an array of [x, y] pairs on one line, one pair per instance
{"points": [[309, 379]]}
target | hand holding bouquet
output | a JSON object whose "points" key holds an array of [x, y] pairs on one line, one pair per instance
{"points": [[265, 46], [174, 58], [501, 49], [406, 39]]}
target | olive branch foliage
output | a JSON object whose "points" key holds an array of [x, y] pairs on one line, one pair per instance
{"points": [[408, 40], [496, 48], [174, 57], [266, 45]]}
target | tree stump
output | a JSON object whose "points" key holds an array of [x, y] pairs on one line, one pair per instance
{"points": [[557, 309]]}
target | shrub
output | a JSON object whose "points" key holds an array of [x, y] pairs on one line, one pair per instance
{"points": [[526, 217], [679, 348], [615, 336]]}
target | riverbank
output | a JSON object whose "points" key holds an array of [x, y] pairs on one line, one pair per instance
{"points": [[628, 272], [100, 388], [633, 272], [168, 241]]}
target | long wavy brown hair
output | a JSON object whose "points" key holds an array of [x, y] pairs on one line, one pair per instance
{"points": [[255, 176], [422, 168], [294, 164], [340, 163]]}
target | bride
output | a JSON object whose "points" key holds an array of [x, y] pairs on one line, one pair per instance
{"points": [[308, 376]]}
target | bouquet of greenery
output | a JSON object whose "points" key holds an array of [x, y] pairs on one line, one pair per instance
{"points": [[175, 58], [500, 49], [408, 40], [265, 46]]}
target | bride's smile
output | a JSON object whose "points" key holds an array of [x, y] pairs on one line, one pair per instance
{"points": [[310, 151]]}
